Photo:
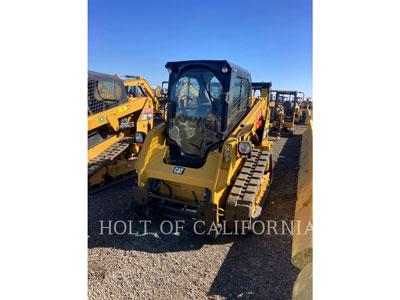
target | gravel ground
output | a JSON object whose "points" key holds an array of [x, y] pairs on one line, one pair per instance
{"points": [[188, 266]]}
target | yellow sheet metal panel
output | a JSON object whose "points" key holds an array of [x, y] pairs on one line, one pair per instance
{"points": [[309, 117], [98, 177], [154, 139], [302, 289], [302, 243], [302, 237], [101, 118], [121, 167], [304, 185]]}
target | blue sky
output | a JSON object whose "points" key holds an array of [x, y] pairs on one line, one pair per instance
{"points": [[271, 38]]}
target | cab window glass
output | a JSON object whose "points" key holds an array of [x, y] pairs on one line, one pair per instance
{"points": [[245, 91], [187, 91], [215, 88], [236, 91], [194, 109], [134, 91], [107, 90], [102, 95], [241, 93]]}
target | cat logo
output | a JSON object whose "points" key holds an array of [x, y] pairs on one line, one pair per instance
{"points": [[178, 170]]}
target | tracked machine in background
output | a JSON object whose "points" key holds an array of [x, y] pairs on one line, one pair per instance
{"points": [[162, 98], [119, 115], [284, 113], [137, 86], [297, 112], [211, 162], [306, 110], [306, 103]]}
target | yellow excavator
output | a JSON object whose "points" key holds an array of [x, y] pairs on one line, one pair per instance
{"points": [[119, 115], [210, 163]]}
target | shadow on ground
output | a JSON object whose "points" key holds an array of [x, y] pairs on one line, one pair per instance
{"points": [[259, 266], [256, 267]]}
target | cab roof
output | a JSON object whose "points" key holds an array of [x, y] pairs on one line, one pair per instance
{"points": [[103, 76], [217, 65], [284, 92], [261, 85]]}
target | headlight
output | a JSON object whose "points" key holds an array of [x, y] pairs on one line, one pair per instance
{"points": [[244, 148], [224, 69], [139, 137]]}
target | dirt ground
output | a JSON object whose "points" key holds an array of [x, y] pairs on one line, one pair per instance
{"points": [[188, 266]]}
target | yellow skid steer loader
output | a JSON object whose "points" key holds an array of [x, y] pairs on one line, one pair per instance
{"points": [[210, 162]]}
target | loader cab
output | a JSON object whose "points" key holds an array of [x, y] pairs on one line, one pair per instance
{"points": [[134, 91], [300, 97], [206, 101], [104, 92], [164, 88], [286, 101]]}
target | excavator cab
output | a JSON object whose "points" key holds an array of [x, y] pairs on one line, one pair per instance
{"points": [[189, 165]]}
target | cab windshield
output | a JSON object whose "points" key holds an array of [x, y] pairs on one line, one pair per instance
{"points": [[195, 111]]}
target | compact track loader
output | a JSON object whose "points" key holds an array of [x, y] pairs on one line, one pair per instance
{"points": [[137, 86], [211, 162], [161, 95], [305, 110], [297, 111], [285, 111], [117, 110]]}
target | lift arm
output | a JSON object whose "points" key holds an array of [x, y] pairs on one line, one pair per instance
{"points": [[142, 83]]}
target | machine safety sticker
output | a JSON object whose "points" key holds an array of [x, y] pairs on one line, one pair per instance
{"points": [[179, 170], [122, 109], [146, 117]]}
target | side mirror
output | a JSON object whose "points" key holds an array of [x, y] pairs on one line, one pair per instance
{"points": [[139, 137]]}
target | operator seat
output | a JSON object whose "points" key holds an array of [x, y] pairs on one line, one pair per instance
{"points": [[288, 107]]}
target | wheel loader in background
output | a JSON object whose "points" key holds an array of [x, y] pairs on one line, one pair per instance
{"points": [[211, 162], [119, 115]]}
